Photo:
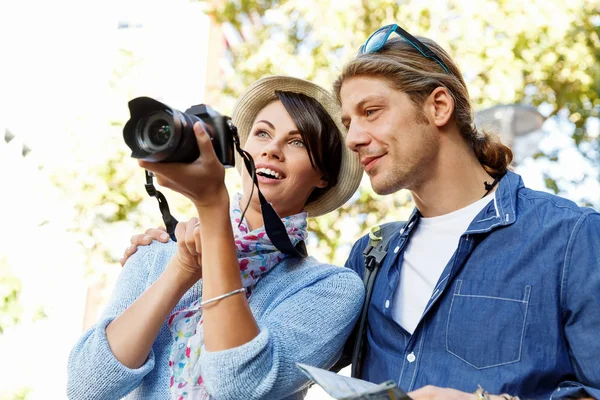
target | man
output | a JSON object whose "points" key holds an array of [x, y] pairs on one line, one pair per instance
{"points": [[489, 284]]}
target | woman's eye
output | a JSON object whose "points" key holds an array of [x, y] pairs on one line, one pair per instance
{"points": [[368, 113], [297, 143], [261, 134]]}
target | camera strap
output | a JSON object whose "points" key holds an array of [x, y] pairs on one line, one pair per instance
{"points": [[273, 225], [169, 220]]}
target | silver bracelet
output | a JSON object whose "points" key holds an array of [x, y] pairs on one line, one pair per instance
{"points": [[242, 290]]}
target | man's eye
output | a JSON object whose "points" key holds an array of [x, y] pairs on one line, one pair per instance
{"points": [[369, 112]]}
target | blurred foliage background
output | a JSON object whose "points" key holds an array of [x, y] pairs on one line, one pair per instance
{"points": [[543, 53]]}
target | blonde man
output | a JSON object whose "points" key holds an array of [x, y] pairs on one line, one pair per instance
{"points": [[490, 287]]}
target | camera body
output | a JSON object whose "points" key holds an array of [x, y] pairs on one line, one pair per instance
{"points": [[156, 132]]}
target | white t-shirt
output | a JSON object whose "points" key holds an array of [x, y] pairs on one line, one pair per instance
{"points": [[430, 248]]}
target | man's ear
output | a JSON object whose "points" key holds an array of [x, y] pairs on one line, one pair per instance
{"points": [[441, 106]]}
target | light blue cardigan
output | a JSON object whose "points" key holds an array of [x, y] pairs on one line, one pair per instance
{"points": [[305, 311]]}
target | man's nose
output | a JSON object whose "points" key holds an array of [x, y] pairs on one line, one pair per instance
{"points": [[357, 136]]}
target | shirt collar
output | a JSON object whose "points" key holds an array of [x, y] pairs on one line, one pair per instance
{"points": [[500, 212]]}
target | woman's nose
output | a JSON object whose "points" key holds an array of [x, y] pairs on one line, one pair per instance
{"points": [[273, 150]]}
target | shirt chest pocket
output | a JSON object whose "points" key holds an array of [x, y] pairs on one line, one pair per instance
{"points": [[486, 322]]}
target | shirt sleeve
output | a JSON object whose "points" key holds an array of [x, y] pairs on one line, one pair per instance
{"points": [[309, 326], [356, 261], [93, 370], [580, 298]]}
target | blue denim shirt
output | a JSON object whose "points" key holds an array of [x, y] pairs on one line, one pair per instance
{"points": [[516, 310]]}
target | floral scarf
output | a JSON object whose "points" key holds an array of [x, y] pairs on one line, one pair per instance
{"points": [[256, 255]]}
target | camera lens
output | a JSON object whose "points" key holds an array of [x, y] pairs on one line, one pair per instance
{"points": [[159, 133], [156, 133]]}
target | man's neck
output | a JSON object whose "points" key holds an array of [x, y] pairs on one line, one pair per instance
{"points": [[454, 182]]}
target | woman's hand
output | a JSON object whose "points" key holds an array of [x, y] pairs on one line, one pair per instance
{"points": [[132, 334], [189, 250], [202, 181], [160, 234]]}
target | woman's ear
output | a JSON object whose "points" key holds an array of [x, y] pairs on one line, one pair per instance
{"points": [[323, 183], [441, 104]]}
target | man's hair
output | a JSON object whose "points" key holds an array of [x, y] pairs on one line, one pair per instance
{"points": [[407, 70], [320, 134]]}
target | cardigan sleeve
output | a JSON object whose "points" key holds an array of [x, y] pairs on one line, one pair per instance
{"points": [[309, 326], [93, 370]]}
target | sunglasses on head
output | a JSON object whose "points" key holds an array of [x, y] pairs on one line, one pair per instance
{"points": [[378, 38]]}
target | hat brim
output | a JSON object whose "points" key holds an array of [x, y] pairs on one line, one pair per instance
{"points": [[261, 93]]}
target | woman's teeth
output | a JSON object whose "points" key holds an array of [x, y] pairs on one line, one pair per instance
{"points": [[269, 173]]}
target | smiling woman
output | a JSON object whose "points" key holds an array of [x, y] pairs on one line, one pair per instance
{"points": [[288, 141], [178, 325]]}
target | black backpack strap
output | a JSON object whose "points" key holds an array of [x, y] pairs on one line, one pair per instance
{"points": [[374, 253]]}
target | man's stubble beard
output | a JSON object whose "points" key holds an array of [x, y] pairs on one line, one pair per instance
{"points": [[408, 175], [388, 182]]}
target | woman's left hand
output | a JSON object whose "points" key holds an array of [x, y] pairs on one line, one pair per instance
{"points": [[202, 181], [189, 251]]}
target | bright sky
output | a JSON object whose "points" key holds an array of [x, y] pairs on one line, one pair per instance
{"points": [[57, 61]]}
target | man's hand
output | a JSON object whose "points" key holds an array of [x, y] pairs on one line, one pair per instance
{"points": [[437, 393], [160, 234]]}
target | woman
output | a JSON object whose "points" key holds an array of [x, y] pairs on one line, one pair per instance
{"points": [[232, 320]]}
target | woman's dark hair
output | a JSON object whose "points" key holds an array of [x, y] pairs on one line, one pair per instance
{"points": [[320, 135]]}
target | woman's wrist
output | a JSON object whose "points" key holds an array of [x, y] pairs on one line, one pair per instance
{"points": [[219, 201], [180, 279]]}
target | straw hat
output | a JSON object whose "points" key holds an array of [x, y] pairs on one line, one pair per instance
{"points": [[262, 92]]}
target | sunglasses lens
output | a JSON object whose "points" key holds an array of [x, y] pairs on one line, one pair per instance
{"points": [[376, 41]]}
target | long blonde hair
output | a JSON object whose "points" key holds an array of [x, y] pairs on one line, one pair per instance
{"points": [[407, 70]]}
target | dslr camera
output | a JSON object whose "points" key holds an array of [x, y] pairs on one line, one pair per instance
{"points": [[158, 133]]}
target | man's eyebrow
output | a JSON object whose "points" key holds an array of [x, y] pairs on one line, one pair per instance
{"points": [[367, 99], [266, 122], [361, 104]]}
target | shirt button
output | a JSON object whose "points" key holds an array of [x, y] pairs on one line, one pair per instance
{"points": [[387, 304], [411, 357]]}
